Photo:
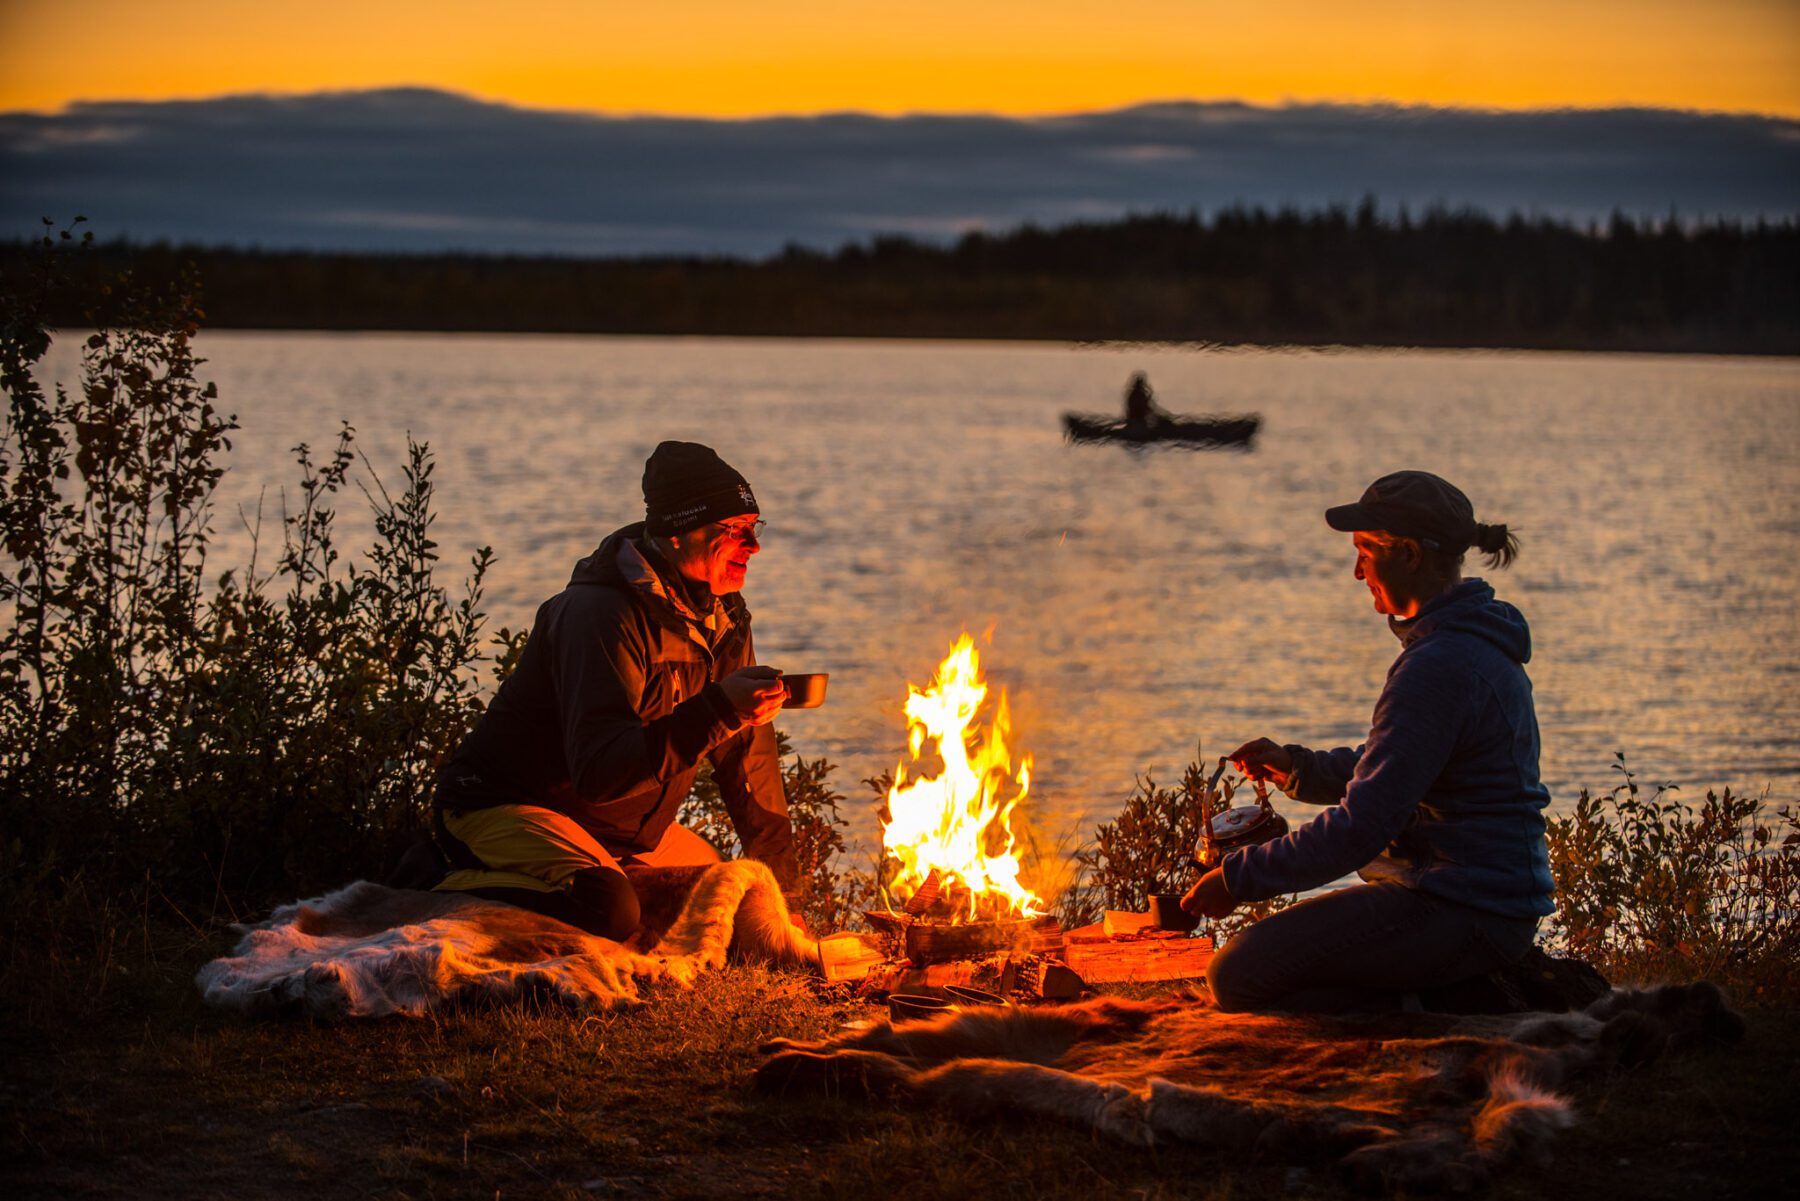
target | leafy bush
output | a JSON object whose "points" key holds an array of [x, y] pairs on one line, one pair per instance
{"points": [[334, 692], [1150, 848], [105, 528], [267, 734], [1654, 888]]}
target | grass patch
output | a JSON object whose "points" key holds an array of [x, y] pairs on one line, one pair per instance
{"points": [[151, 1095]]}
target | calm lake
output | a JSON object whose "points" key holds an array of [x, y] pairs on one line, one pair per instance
{"points": [[1137, 605]]}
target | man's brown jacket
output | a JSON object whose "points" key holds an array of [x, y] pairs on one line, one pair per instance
{"points": [[615, 702]]}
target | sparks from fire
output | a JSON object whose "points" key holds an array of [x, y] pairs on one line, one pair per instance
{"points": [[959, 822]]}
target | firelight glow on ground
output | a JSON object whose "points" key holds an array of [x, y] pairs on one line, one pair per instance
{"points": [[713, 58]]}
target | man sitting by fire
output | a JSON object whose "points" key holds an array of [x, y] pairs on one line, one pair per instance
{"points": [[633, 674], [1440, 810]]}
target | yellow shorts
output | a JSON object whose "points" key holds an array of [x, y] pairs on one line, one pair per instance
{"points": [[526, 846]]}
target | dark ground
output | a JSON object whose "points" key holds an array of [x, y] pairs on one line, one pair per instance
{"points": [[134, 1090]]}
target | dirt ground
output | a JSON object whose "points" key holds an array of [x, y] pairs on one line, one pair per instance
{"points": [[153, 1096]]}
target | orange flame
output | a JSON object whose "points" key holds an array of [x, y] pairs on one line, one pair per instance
{"points": [[960, 821]]}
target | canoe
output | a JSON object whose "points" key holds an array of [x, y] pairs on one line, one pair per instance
{"points": [[1204, 431]]}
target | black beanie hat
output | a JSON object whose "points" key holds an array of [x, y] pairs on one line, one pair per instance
{"points": [[687, 485]]}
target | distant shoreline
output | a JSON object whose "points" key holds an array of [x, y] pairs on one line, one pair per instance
{"points": [[1081, 343], [1445, 281]]}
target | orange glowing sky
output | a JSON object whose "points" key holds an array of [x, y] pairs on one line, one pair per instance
{"points": [[754, 57]]}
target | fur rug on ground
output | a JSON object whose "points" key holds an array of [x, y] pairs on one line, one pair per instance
{"points": [[1415, 1102], [367, 951]]}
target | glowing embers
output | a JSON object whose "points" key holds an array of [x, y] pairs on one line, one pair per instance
{"points": [[950, 835]]}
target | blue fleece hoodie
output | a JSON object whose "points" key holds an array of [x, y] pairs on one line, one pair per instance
{"points": [[1444, 795]]}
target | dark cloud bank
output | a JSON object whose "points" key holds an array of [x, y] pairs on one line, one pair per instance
{"points": [[419, 170]]}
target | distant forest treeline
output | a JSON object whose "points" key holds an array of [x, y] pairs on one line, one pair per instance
{"points": [[1336, 276]]}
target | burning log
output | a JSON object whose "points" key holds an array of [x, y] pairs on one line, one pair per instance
{"points": [[927, 895], [1036, 956], [991, 973], [921, 901], [930, 942], [924, 942]]}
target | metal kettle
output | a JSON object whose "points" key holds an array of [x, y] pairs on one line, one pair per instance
{"points": [[1238, 826]]}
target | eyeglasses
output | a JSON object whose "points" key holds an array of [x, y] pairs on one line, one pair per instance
{"points": [[747, 533]]}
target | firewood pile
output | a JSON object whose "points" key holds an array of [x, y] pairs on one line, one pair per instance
{"points": [[1026, 959]]}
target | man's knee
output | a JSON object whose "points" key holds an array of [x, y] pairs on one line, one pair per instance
{"points": [[603, 903], [599, 901], [680, 847]]}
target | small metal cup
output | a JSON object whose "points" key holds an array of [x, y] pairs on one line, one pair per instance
{"points": [[911, 1007], [805, 690], [974, 998]]}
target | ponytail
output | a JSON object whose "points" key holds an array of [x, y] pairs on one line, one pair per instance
{"points": [[1497, 543]]}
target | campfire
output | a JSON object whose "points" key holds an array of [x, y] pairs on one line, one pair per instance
{"points": [[959, 910], [951, 834], [948, 835]]}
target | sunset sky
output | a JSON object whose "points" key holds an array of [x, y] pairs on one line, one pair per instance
{"points": [[731, 58]]}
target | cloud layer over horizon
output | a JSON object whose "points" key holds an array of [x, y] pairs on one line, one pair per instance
{"points": [[413, 169]]}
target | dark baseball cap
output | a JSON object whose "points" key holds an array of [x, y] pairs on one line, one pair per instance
{"points": [[1411, 504]]}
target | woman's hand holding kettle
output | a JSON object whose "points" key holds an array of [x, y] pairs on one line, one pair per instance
{"points": [[1264, 759]]}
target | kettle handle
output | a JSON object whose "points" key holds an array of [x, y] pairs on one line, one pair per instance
{"points": [[1207, 798], [1207, 840]]}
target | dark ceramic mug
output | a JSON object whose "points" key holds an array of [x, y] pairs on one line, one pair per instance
{"points": [[1166, 913]]}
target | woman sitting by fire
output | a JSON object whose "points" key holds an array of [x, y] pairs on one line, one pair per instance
{"points": [[1440, 810]]}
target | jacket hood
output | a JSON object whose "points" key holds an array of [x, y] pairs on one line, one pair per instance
{"points": [[1471, 608], [602, 566], [621, 562]]}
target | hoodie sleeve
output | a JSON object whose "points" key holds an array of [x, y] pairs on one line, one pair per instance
{"points": [[598, 671], [1320, 777], [1418, 721]]}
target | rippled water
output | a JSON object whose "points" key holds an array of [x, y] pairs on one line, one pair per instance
{"points": [[1140, 603]]}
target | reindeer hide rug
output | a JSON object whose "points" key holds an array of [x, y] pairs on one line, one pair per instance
{"points": [[366, 950], [1417, 1102]]}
